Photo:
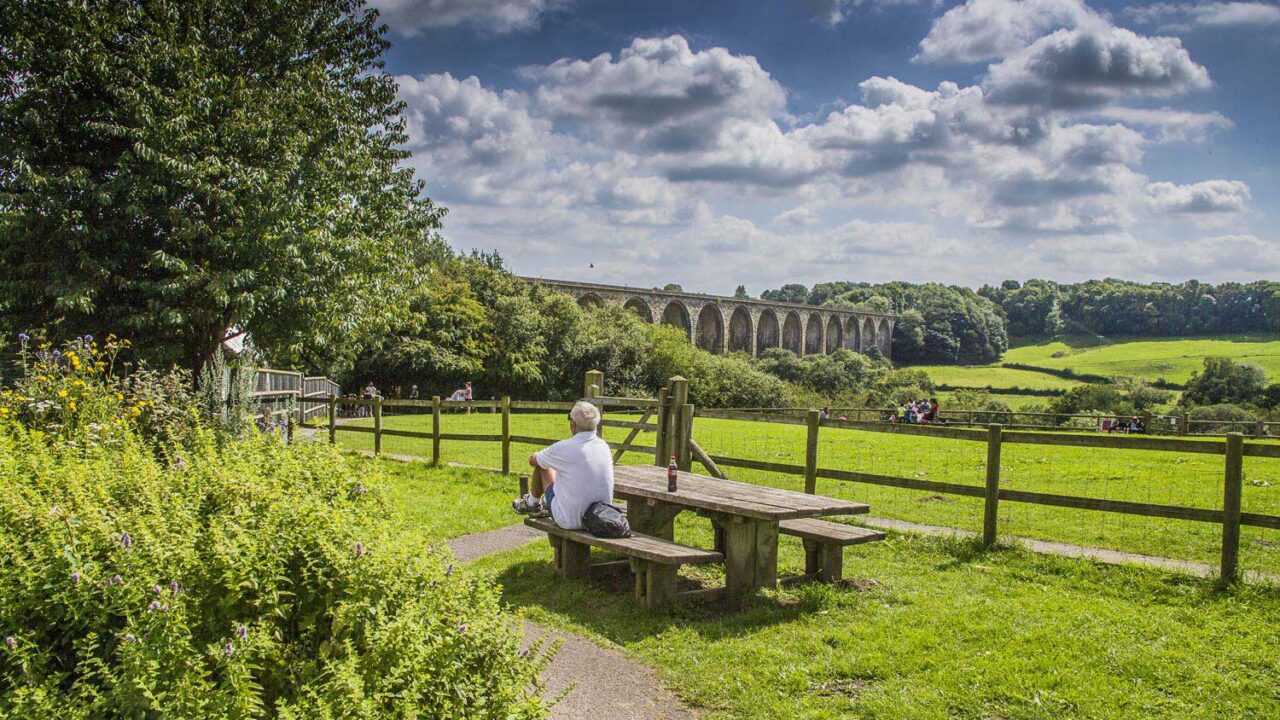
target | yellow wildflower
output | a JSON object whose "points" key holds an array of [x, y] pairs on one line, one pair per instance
{"points": [[62, 393], [72, 404]]}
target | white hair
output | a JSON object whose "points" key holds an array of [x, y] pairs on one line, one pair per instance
{"points": [[585, 416]]}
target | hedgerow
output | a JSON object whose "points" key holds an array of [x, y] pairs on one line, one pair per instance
{"points": [[207, 576]]}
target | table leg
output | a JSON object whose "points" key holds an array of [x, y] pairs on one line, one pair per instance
{"points": [[750, 556], [654, 518]]}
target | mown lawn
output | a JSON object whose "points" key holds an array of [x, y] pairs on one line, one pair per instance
{"points": [[1173, 359], [1037, 403], [932, 629], [1191, 480]]}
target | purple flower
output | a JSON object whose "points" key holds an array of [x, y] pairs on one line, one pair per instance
{"points": [[179, 463], [88, 338], [174, 587], [242, 632], [23, 337], [75, 577], [159, 590], [360, 490], [57, 354], [154, 606], [229, 649], [126, 540], [359, 549], [10, 642], [130, 638], [116, 580], [462, 629]]}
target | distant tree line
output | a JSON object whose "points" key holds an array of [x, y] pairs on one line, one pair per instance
{"points": [[1120, 307]]}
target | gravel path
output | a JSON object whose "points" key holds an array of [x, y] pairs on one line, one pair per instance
{"points": [[602, 682]]}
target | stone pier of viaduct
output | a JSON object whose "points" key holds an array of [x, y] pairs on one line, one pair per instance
{"points": [[728, 324]]}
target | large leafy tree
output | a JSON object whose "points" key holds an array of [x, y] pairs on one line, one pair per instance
{"points": [[175, 167]]}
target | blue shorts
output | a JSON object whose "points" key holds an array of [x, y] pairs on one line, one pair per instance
{"points": [[548, 495]]}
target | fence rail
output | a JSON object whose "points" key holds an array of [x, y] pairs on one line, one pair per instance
{"points": [[1154, 424], [1233, 448]]}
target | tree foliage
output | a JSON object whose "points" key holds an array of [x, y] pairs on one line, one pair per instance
{"points": [[173, 168], [1224, 380], [1121, 307]]}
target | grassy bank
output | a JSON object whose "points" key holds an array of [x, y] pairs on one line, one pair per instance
{"points": [[1173, 359]]}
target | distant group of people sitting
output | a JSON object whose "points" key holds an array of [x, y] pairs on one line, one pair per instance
{"points": [[918, 411], [1120, 425], [371, 392]]}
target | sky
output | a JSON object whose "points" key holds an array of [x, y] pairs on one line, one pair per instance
{"points": [[713, 143]]}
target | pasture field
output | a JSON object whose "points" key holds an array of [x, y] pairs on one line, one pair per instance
{"points": [[984, 376], [1015, 402], [931, 628], [1173, 359], [1191, 480]]}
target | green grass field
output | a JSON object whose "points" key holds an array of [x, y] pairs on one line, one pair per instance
{"points": [[1173, 359], [1015, 402], [1191, 480], [981, 376], [934, 629]]}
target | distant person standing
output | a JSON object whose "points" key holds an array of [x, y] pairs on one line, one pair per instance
{"points": [[824, 413], [413, 392]]}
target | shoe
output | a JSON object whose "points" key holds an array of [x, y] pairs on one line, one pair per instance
{"points": [[527, 505]]}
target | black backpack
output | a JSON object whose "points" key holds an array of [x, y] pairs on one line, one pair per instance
{"points": [[606, 521]]}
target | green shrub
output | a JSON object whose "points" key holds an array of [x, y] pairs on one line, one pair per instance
{"points": [[207, 577]]}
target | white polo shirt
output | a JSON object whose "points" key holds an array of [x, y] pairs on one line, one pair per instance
{"points": [[584, 475]]}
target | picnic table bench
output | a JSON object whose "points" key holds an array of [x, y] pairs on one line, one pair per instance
{"points": [[747, 520], [653, 560]]}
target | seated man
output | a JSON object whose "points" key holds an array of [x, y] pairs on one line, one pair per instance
{"points": [[571, 474]]}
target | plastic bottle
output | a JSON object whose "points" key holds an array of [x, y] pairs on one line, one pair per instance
{"points": [[671, 474]]}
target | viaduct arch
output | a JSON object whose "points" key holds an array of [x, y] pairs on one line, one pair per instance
{"points": [[721, 324]]}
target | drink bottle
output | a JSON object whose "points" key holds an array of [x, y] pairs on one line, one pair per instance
{"points": [[671, 475]]}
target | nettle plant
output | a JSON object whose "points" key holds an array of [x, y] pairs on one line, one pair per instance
{"points": [[203, 576]]}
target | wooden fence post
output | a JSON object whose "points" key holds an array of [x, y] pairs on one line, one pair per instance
{"points": [[377, 426], [660, 435], [333, 420], [593, 378], [1232, 487], [1260, 429], [677, 395], [1184, 424], [435, 430], [992, 495], [811, 453], [506, 435], [685, 457]]}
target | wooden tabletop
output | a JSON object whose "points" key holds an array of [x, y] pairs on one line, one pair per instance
{"points": [[735, 498]]}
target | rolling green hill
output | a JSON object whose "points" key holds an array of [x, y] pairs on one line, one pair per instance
{"points": [[1173, 359], [1170, 359]]}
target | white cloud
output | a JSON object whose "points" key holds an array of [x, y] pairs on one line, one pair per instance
{"points": [[1086, 68], [1221, 258], [982, 30], [1184, 17], [1208, 197], [662, 156], [835, 12], [660, 92], [409, 17]]}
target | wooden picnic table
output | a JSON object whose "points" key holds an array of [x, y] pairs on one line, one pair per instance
{"points": [[745, 517]]}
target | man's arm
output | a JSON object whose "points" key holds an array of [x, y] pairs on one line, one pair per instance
{"points": [[533, 461]]}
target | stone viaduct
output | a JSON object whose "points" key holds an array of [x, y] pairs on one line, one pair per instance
{"points": [[727, 324]]}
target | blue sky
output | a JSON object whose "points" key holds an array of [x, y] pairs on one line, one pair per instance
{"points": [[713, 143]]}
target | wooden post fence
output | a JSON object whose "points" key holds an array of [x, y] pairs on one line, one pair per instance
{"points": [[435, 430], [377, 426], [678, 394], [1232, 488], [333, 420], [992, 494], [811, 452], [506, 435], [660, 454]]}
